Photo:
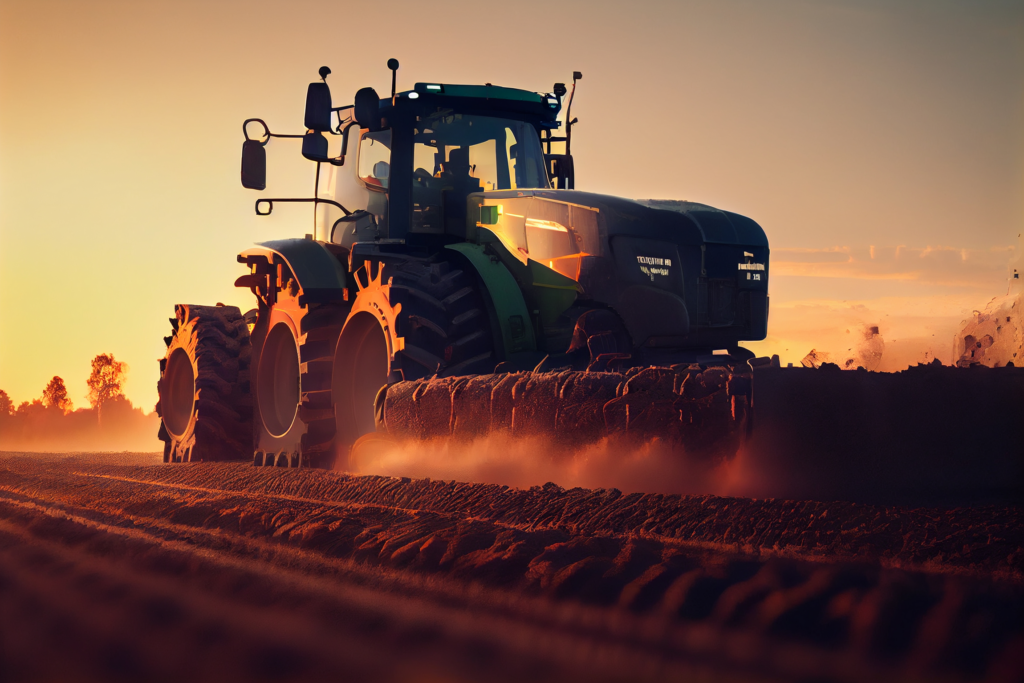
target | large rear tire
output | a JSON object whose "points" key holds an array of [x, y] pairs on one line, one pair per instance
{"points": [[411, 318], [205, 408]]}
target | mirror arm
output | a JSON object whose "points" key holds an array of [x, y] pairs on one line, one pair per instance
{"points": [[340, 160], [315, 200], [266, 131]]}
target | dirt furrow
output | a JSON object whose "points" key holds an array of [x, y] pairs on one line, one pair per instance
{"points": [[283, 616], [987, 539], [656, 582]]}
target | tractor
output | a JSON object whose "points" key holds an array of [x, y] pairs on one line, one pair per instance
{"points": [[449, 240]]}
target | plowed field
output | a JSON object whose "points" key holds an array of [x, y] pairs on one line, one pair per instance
{"points": [[118, 568]]}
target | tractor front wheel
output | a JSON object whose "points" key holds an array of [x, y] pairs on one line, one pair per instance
{"points": [[412, 317]]}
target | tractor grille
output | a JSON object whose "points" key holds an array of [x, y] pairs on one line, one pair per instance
{"points": [[721, 301]]}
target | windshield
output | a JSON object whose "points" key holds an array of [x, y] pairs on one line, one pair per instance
{"points": [[456, 155], [501, 154]]}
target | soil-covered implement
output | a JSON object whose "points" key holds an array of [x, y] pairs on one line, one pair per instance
{"points": [[931, 434]]}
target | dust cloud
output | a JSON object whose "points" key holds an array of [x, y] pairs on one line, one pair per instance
{"points": [[51, 424], [654, 466], [993, 336], [115, 426]]}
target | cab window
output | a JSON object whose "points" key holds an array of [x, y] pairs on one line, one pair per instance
{"points": [[375, 159]]}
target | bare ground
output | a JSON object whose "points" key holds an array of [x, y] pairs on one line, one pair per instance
{"points": [[118, 568]]}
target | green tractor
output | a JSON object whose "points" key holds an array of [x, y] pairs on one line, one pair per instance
{"points": [[449, 240]]}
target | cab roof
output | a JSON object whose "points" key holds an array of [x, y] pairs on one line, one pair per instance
{"points": [[543, 109], [482, 91]]}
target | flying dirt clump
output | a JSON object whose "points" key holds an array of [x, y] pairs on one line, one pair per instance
{"points": [[867, 353], [993, 337]]}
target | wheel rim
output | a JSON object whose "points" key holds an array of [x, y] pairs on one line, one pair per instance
{"points": [[361, 366], [278, 380], [179, 393]]}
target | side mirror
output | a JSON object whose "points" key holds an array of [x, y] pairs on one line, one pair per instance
{"points": [[367, 109], [318, 107], [254, 165], [314, 146]]}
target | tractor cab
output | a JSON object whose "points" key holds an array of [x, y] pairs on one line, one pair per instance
{"points": [[408, 164], [438, 150]]}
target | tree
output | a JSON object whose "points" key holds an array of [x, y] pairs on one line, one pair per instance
{"points": [[55, 395], [106, 379], [6, 404]]}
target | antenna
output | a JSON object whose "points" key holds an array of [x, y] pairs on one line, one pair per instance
{"points": [[576, 76], [393, 65]]}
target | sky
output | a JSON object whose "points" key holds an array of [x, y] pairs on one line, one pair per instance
{"points": [[879, 144]]}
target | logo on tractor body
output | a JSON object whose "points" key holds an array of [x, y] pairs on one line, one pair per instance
{"points": [[759, 267], [653, 265]]}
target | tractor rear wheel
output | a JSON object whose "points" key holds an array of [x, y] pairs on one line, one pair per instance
{"points": [[411, 318], [205, 408]]}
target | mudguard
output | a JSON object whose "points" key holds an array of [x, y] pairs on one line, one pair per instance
{"points": [[319, 273], [513, 316]]}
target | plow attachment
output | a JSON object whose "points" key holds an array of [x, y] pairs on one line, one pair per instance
{"points": [[706, 410], [931, 434]]}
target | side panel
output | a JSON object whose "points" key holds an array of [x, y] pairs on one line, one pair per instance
{"points": [[509, 306]]}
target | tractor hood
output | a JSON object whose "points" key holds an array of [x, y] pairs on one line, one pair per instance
{"points": [[598, 219], [678, 273], [680, 221]]}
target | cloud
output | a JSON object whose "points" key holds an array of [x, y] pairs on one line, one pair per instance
{"points": [[941, 265]]}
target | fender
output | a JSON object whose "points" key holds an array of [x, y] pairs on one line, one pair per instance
{"points": [[513, 317], [319, 273]]}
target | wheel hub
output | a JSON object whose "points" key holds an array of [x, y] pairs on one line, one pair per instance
{"points": [[179, 393], [278, 380]]}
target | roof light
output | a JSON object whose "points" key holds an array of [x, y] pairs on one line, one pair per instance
{"points": [[414, 96], [434, 87]]}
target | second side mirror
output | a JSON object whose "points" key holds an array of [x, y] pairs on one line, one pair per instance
{"points": [[254, 165], [314, 146]]}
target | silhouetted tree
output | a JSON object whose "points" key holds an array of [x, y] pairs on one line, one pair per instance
{"points": [[30, 410], [6, 413], [55, 395], [106, 379]]}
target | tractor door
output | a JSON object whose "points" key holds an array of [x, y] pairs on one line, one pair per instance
{"points": [[375, 173]]}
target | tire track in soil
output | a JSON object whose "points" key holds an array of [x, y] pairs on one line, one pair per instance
{"points": [[638, 584], [502, 639]]}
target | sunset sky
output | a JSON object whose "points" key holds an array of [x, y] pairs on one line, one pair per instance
{"points": [[880, 145]]}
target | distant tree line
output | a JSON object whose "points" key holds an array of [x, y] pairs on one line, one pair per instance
{"points": [[50, 422]]}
